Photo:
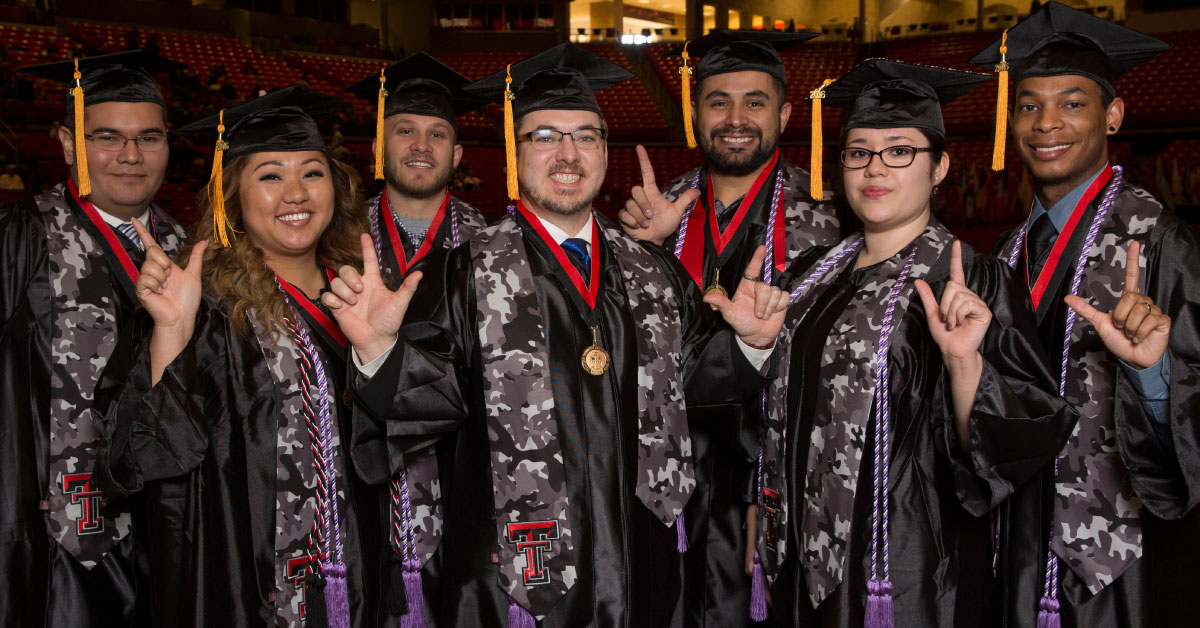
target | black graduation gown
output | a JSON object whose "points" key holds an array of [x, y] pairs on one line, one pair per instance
{"points": [[1160, 589], [430, 390], [201, 447], [940, 534], [44, 584], [724, 441]]}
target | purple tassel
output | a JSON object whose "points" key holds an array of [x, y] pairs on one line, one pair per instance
{"points": [[415, 618], [1048, 616], [758, 592], [681, 542], [879, 604], [337, 597], [518, 617]]}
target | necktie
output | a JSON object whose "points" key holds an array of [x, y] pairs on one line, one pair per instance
{"points": [[1039, 241], [127, 230], [577, 251]]}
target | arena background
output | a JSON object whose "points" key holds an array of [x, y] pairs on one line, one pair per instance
{"points": [[234, 48]]}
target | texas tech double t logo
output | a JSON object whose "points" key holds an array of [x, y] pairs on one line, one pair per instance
{"points": [[533, 539], [79, 487]]}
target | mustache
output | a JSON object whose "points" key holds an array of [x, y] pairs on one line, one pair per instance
{"points": [[564, 168], [729, 129]]}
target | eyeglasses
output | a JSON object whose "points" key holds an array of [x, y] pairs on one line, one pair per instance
{"points": [[587, 138], [892, 156], [115, 141]]}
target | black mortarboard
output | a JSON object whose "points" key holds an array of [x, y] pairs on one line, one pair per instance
{"points": [[121, 77], [280, 121], [883, 94], [1057, 40], [419, 85], [562, 77], [724, 51]]}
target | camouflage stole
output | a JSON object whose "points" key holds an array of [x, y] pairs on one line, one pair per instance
{"points": [[805, 225], [1097, 526], [298, 524], [416, 493], [536, 546], [843, 410], [84, 323]]}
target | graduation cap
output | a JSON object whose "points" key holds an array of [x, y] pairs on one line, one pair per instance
{"points": [[562, 77], [280, 121], [1057, 40], [121, 77], [418, 85], [725, 51], [884, 94]]}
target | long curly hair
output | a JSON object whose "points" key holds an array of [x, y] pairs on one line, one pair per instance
{"points": [[238, 274]]}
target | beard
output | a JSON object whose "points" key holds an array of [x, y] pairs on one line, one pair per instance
{"points": [[442, 174], [737, 164], [562, 205]]}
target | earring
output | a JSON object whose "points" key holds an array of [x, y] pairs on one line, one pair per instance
{"points": [[1112, 129]]}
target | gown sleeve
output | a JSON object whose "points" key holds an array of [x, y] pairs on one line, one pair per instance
{"points": [[22, 250], [419, 394], [151, 433], [1164, 465], [1018, 423]]}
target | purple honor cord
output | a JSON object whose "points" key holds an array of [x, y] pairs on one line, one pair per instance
{"points": [[1048, 615]]}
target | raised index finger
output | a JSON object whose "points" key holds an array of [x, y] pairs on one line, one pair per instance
{"points": [[144, 233], [370, 260], [956, 267], [1132, 266], [648, 183]]}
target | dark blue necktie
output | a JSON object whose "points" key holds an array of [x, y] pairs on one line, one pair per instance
{"points": [[577, 250]]}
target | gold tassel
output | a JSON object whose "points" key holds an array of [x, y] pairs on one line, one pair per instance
{"points": [[816, 183], [510, 138], [81, 164], [216, 187], [1001, 106], [685, 74], [379, 107]]}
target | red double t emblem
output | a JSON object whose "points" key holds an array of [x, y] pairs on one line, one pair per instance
{"points": [[533, 539], [79, 487]]}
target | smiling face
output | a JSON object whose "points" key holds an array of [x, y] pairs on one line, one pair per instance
{"points": [[287, 201], [420, 155], [566, 179], [886, 198], [1060, 127], [123, 181], [738, 118]]}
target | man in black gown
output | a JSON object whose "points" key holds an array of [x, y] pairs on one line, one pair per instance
{"points": [[70, 260], [550, 363], [1119, 503], [414, 215], [740, 111]]}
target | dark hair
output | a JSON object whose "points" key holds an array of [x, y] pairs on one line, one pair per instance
{"points": [[850, 222]]}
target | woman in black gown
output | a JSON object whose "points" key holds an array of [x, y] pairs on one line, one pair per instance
{"points": [[910, 398], [232, 423]]}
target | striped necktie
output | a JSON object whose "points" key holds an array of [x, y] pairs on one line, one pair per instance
{"points": [[127, 230]]}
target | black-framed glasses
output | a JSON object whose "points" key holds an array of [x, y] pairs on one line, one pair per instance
{"points": [[113, 142], [893, 156], [587, 138]]}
